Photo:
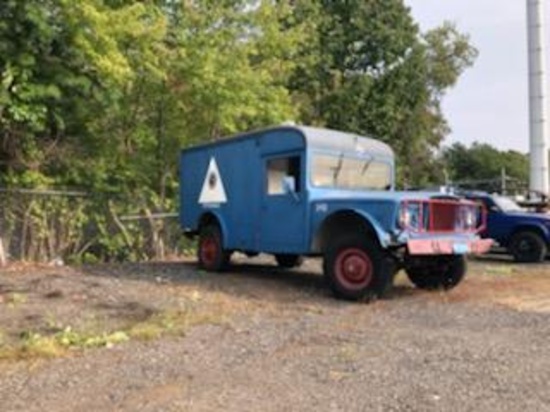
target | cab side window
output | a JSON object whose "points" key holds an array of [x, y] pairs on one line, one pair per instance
{"points": [[280, 168]]}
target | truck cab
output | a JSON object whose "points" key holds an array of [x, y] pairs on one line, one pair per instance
{"points": [[525, 235], [300, 191]]}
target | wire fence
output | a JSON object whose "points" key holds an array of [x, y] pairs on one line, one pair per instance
{"points": [[73, 226]]}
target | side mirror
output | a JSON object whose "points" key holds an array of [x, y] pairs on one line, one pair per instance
{"points": [[289, 184]]}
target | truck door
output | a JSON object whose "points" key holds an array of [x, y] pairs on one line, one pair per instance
{"points": [[283, 226], [497, 221]]}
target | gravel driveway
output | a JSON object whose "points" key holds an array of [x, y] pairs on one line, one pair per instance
{"points": [[261, 339]]}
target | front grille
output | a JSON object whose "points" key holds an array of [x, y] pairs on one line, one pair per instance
{"points": [[442, 216]]}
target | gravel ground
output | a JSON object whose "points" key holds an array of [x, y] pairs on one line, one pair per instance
{"points": [[269, 340]]}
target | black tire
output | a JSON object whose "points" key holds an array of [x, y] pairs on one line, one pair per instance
{"points": [[356, 268], [210, 252], [287, 261], [436, 273], [528, 247]]}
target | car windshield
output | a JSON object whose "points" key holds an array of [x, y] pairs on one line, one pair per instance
{"points": [[506, 204], [350, 173]]}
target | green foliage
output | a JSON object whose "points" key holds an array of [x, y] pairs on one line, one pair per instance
{"points": [[36, 345], [373, 73], [234, 60], [62, 339], [62, 63], [101, 95], [484, 162]]}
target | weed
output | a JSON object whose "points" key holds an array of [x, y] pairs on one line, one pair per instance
{"points": [[14, 299], [35, 345], [499, 270], [69, 338], [62, 339], [173, 323]]}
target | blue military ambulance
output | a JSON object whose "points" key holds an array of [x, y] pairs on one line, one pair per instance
{"points": [[300, 191]]}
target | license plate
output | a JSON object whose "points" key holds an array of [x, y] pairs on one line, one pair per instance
{"points": [[461, 248]]}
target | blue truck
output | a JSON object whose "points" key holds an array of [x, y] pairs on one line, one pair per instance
{"points": [[296, 191], [525, 235]]}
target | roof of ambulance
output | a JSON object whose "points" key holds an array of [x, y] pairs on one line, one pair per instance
{"points": [[317, 138]]}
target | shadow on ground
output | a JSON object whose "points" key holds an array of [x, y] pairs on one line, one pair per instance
{"points": [[260, 280], [506, 259], [246, 279]]}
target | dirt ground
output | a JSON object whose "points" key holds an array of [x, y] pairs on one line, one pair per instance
{"points": [[167, 337]]}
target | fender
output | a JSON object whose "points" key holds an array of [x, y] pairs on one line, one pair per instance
{"points": [[322, 225], [533, 226], [214, 215], [384, 237]]}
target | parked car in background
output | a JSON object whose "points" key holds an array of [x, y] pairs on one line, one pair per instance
{"points": [[525, 235]]}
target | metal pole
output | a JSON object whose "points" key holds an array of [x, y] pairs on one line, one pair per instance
{"points": [[538, 130], [503, 181]]}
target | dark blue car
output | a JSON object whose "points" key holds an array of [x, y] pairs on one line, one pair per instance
{"points": [[526, 236]]}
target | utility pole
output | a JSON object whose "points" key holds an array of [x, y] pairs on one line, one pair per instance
{"points": [[538, 117], [503, 177]]}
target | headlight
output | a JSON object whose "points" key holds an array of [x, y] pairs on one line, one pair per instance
{"points": [[404, 217], [409, 215], [467, 217]]}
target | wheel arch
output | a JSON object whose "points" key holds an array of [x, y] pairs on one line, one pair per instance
{"points": [[347, 221], [213, 218], [540, 230]]}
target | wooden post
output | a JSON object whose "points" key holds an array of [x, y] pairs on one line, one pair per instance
{"points": [[3, 259]]}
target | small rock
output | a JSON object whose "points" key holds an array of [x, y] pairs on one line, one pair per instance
{"points": [[57, 262]]}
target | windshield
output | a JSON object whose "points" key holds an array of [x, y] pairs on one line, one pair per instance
{"points": [[506, 204], [350, 173]]}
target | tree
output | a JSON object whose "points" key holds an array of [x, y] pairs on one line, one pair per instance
{"points": [[224, 70], [482, 163], [369, 70], [62, 64], [102, 94]]}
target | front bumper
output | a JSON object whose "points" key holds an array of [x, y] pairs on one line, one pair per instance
{"points": [[448, 246]]}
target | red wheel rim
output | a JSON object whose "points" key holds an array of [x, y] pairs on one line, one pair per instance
{"points": [[209, 251], [353, 268]]}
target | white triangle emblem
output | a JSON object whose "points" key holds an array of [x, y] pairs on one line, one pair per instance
{"points": [[212, 188]]}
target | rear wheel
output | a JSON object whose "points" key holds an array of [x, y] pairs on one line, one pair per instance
{"points": [[441, 272], [288, 261], [357, 269], [211, 254], [528, 247]]}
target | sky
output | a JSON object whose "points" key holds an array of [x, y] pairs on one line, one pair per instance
{"points": [[490, 102]]}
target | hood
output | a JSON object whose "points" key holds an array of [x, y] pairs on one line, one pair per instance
{"points": [[531, 216], [395, 196]]}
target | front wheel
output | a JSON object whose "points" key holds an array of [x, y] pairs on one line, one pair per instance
{"points": [[528, 247], [357, 269], [210, 252], [441, 272]]}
